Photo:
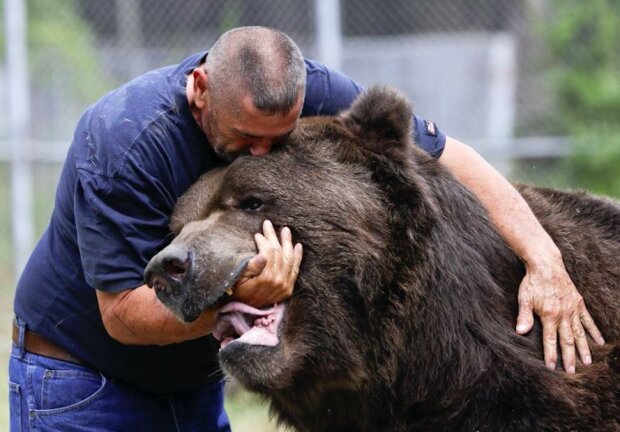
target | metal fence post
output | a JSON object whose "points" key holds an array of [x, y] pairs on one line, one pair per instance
{"points": [[502, 104], [329, 32], [19, 119]]}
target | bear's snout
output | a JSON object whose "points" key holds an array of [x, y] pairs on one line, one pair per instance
{"points": [[198, 269], [167, 271]]}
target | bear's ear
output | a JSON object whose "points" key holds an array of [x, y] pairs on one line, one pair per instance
{"points": [[380, 117]]}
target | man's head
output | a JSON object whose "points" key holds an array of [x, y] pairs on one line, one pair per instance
{"points": [[249, 94]]}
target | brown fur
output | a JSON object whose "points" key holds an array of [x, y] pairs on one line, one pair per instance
{"points": [[403, 314]]}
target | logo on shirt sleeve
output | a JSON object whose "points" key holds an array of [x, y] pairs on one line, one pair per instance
{"points": [[430, 127]]}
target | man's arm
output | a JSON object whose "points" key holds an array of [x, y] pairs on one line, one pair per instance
{"points": [[547, 288], [137, 317]]}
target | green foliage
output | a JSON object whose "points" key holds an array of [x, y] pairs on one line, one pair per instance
{"points": [[56, 33], [584, 41], [595, 163], [58, 36]]}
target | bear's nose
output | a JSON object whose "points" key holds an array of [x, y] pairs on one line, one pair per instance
{"points": [[171, 263], [175, 266]]}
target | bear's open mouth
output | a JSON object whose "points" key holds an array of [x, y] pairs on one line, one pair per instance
{"points": [[240, 322]]}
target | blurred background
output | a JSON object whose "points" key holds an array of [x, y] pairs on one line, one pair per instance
{"points": [[532, 85]]}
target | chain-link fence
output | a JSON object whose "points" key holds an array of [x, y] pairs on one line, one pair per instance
{"points": [[463, 63]]}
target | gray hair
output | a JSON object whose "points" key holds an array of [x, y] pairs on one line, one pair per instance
{"points": [[261, 61]]}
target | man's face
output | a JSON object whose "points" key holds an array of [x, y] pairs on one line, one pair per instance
{"points": [[240, 128]]}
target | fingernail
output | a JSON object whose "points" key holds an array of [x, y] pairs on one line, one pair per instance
{"points": [[601, 341], [587, 360], [521, 327], [571, 369], [551, 366]]}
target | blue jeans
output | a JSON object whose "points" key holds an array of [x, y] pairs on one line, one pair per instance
{"points": [[48, 395]]}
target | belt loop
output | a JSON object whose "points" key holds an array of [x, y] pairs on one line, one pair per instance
{"points": [[21, 325]]}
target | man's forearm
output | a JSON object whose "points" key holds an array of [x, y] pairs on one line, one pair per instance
{"points": [[509, 212], [137, 317], [547, 289]]}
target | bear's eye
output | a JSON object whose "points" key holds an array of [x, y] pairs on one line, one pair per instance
{"points": [[251, 204]]}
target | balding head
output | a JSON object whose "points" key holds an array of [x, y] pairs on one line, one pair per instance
{"points": [[257, 61]]}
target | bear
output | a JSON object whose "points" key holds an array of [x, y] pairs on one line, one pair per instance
{"points": [[402, 315]]}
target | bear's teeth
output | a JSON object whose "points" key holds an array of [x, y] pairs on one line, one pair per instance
{"points": [[229, 291]]}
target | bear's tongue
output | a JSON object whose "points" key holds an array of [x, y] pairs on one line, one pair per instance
{"points": [[253, 326]]}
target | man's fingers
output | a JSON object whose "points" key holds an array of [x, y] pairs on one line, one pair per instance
{"points": [[298, 253], [270, 249], [255, 265], [550, 344], [290, 255], [525, 320], [567, 344], [286, 239], [590, 326], [581, 341], [270, 233]]}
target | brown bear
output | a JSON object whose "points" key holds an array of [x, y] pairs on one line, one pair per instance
{"points": [[402, 317]]}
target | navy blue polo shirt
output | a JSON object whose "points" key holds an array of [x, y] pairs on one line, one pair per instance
{"points": [[134, 152]]}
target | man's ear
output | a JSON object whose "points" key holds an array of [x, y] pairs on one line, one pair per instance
{"points": [[201, 80], [380, 117]]}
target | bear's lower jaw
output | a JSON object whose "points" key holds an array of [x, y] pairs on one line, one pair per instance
{"points": [[240, 323]]}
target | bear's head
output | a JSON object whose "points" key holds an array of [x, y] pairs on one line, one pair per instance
{"points": [[352, 190]]}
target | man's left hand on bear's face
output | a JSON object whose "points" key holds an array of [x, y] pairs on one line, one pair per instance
{"points": [[270, 276]]}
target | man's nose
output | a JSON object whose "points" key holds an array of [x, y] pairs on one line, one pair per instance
{"points": [[261, 147]]}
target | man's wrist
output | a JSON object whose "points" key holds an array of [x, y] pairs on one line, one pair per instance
{"points": [[541, 253]]}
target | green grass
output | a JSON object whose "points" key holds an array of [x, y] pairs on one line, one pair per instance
{"points": [[248, 413]]}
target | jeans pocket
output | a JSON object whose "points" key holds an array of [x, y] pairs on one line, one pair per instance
{"points": [[65, 390], [15, 407]]}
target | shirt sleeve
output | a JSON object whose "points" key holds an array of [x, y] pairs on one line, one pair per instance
{"points": [[329, 92], [121, 221], [428, 136]]}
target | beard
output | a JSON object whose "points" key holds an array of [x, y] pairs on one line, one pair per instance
{"points": [[218, 143], [228, 156]]}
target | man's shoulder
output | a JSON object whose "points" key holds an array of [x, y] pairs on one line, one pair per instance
{"points": [[327, 91], [130, 108], [108, 132], [139, 113], [314, 66]]}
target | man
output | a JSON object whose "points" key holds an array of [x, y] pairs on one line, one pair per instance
{"points": [[94, 349]]}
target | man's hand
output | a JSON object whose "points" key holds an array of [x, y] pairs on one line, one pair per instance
{"points": [[550, 293], [270, 275]]}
